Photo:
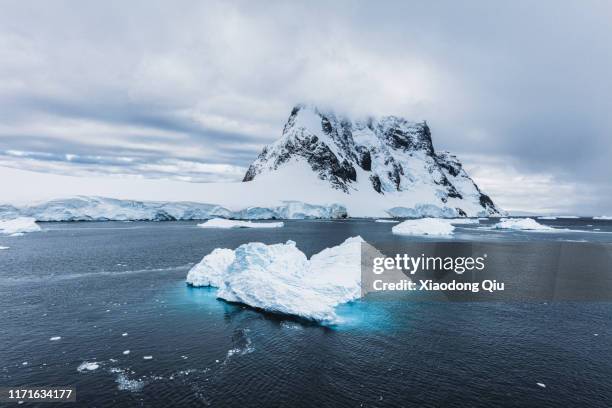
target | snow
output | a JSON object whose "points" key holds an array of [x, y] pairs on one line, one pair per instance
{"points": [[603, 217], [523, 224], [383, 220], [425, 226], [279, 278], [223, 223], [87, 366], [18, 226]]}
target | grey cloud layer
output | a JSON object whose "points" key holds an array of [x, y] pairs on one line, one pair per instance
{"points": [[192, 90]]}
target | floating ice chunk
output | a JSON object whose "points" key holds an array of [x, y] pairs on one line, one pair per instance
{"points": [[603, 217], [18, 226], [569, 216], [541, 385], [87, 366], [425, 226], [3, 247], [384, 220], [55, 338], [124, 383], [25, 363], [279, 278], [124, 334], [211, 269], [126, 352], [223, 223], [523, 224], [547, 217], [147, 357]]}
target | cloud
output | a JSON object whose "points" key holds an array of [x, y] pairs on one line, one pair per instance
{"points": [[199, 87]]}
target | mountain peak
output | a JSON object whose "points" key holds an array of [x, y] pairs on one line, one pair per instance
{"points": [[388, 155]]}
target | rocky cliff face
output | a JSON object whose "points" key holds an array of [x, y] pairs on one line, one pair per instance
{"points": [[389, 155]]}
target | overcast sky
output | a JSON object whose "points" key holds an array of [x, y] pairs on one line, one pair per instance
{"points": [[520, 91]]}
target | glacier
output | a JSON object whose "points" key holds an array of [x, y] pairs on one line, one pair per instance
{"points": [[85, 208], [18, 226], [279, 278], [425, 226], [229, 224]]}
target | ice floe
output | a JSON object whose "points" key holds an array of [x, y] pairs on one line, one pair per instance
{"points": [[522, 224], [55, 338], [425, 226], [3, 247], [18, 225], [279, 278], [603, 217], [547, 217], [384, 220], [87, 366], [223, 223]]}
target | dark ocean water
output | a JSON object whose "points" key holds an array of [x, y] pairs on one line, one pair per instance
{"points": [[105, 288]]}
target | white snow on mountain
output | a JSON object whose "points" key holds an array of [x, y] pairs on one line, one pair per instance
{"points": [[523, 224], [425, 226], [18, 226], [279, 278], [389, 160], [228, 224]]}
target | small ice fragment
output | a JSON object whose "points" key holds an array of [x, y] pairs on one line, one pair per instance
{"points": [[184, 357], [595, 334], [124, 334], [87, 366], [126, 352], [25, 363], [55, 338], [3, 247], [147, 357], [216, 361], [541, 385]]}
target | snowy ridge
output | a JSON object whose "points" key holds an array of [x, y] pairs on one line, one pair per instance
{"points": [[104, 209], [279, 278], [390, 157]]}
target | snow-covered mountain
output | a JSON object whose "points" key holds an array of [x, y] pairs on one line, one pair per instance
{"points": [[323, 166], [389, 156]]}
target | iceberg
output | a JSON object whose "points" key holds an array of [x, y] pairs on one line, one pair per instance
{"points": [[425, 226], [522, 224], [603, 217], [279, 278], [18, 226], [87, 208], [227, 224]]}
